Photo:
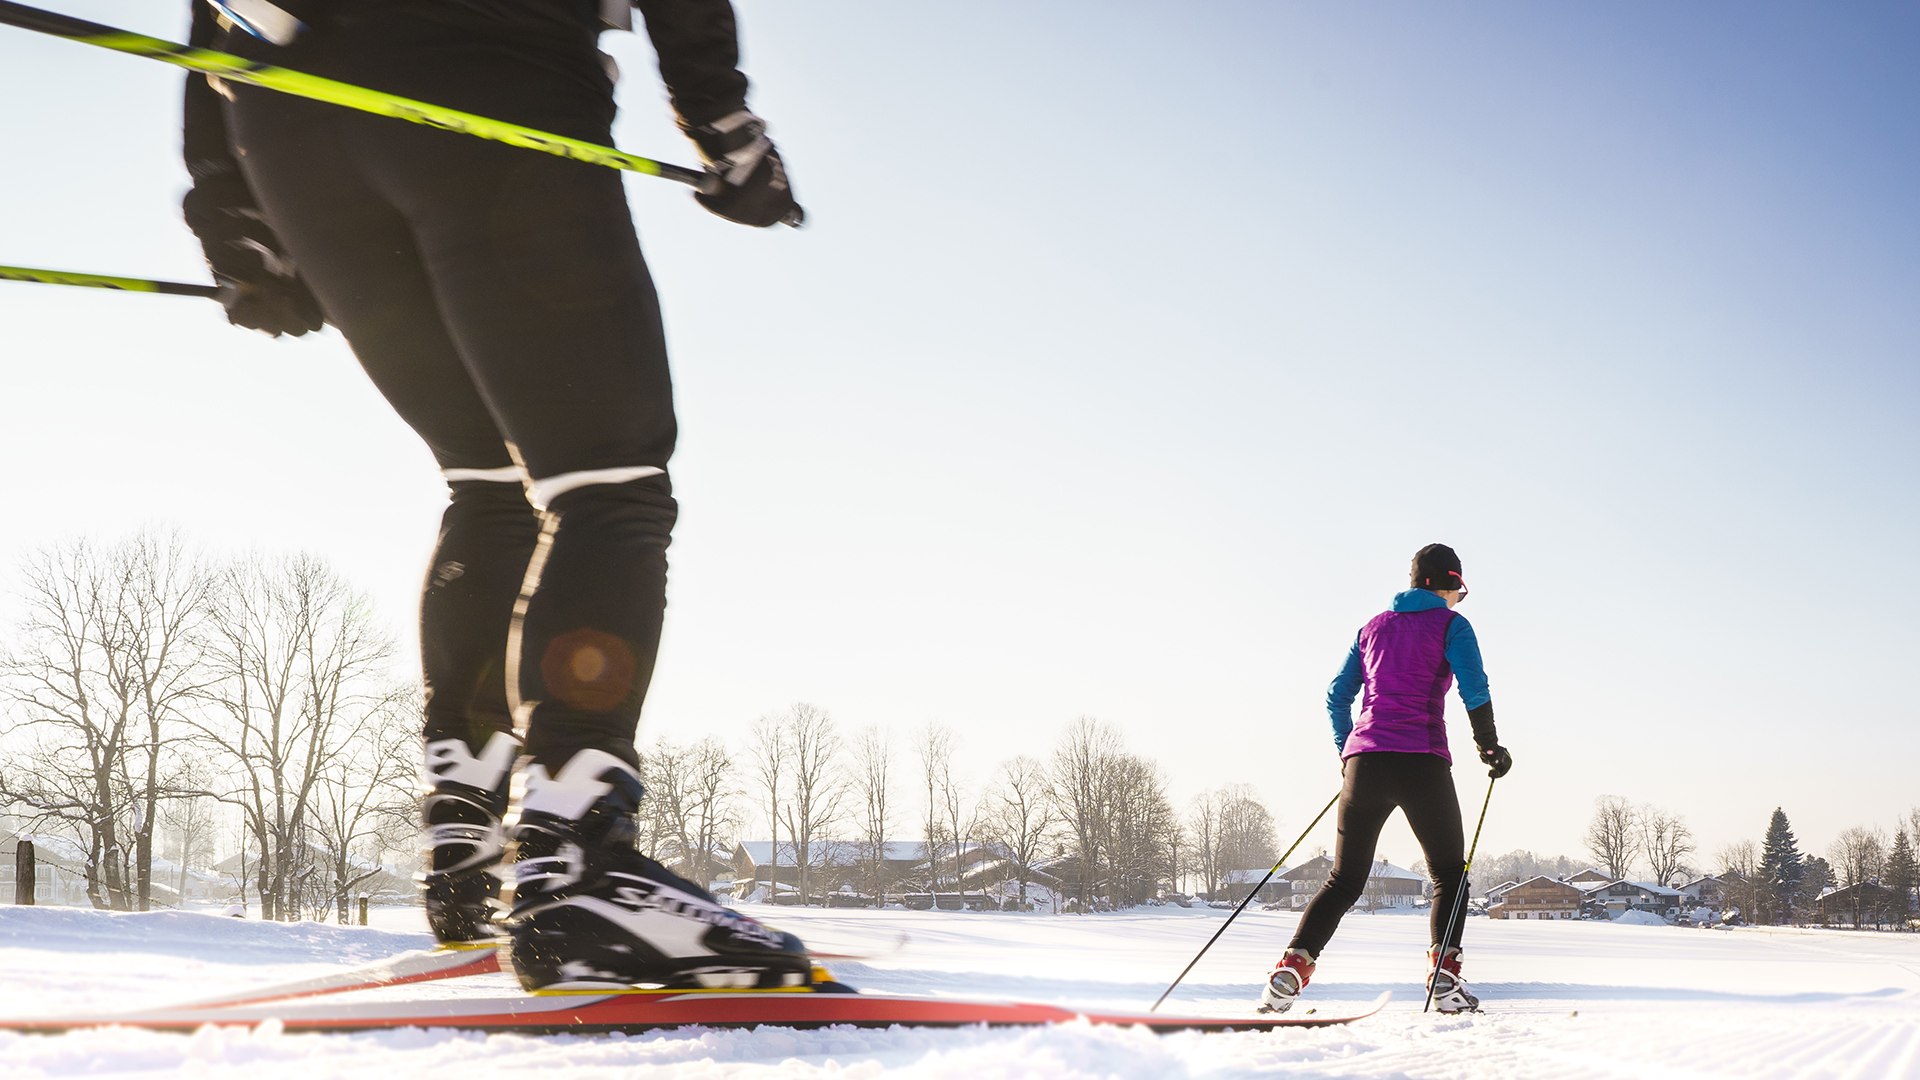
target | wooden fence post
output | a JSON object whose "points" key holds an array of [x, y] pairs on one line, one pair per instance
{"points": [[23, 872]]}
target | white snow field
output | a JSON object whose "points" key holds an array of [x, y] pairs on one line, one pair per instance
{"points": [[1566, 999]]}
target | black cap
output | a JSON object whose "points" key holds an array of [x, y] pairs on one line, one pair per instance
{"points": [[1436, 567]]}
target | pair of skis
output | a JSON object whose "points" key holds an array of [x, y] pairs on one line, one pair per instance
{"points": [[351, 1001]]}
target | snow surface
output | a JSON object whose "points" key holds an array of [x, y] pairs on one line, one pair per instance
{"points": [[1563, 999]]}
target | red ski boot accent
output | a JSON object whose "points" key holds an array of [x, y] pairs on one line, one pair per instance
{"points": [[1448, 989], [1289, 977]]}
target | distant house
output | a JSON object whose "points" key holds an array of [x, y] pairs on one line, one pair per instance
{"points": [[1500, 890], [1622, 895], [1866, 904], [1388, 886], [840, 872], [1539, 898], [1590, 877], [1707, 890], [1235, 883]]}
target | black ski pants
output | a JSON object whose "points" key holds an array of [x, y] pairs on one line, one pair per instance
{"points": [[498, 299], [1375, 785]]}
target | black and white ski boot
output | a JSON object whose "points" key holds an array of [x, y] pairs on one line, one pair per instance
{"points": [[466, 798], [1449, 990], [590, 911]]}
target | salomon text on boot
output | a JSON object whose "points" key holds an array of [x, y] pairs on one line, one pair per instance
{"points": [[589, 910], [466, 798]]}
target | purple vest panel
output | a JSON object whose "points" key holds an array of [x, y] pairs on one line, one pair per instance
{"points": [[1402, 708]]}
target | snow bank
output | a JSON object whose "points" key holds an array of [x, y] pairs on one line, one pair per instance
{"points": [[1639, 918]]}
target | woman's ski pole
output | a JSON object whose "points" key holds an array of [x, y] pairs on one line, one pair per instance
{"points": [[1244, 903], [1459, 897]]}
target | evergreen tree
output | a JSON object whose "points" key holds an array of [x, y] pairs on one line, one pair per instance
{"points": [[1781, 868], [1903, 873]]}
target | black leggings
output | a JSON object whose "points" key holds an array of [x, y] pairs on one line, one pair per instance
{"points": [[498, 299], [1376, 784]]}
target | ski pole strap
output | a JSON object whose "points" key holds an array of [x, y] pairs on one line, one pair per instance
{"points": [[106, 281], [299, 84]]}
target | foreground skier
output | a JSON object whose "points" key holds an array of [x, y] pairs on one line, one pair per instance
{"points": [[1395, 755], [499, 301]]}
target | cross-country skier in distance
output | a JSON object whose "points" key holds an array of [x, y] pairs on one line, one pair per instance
{"points": [[1395, 756], [499, 300]]}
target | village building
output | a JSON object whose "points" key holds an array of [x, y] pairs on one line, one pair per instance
{"points": [[1538, 898]]}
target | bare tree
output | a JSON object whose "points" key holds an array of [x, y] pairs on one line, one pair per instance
{"points": [[661, 823], [769, 749], [1081, 781], [1665, 842], [1246, 837], [1611, 835], [689, 805], [365, 802], [1857, 856], [873, 792], [1740, 876], [300, 663], [106, 668], [1203, 824], [1019, 819], [961, 821], [818, 790], [188, 826], [935, 747], [1140, 828], [712, 819]]}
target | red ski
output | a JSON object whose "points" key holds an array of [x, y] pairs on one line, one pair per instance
{"points": [[632, 1011], [428, 965]]}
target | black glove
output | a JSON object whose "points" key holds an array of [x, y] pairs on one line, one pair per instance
{"points": [[259, 286], [1497, 759], [752, 179]]}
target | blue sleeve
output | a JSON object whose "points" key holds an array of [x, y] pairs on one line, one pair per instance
{"points": [[1463, 656], [1346, 687]]}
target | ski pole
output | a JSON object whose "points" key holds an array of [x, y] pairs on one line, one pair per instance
{"points": [[107, 281], [347, 95], [1244, 903], [1459, 898]]}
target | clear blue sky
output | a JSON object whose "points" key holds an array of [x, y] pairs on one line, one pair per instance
{"points": [[1132, 351]]}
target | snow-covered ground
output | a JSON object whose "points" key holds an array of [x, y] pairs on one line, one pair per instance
{"points": [[1567, 999]]}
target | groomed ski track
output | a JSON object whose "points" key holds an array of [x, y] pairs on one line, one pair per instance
{"points": [[1563, 999]]}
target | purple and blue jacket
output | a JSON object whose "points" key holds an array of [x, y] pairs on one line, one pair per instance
{"points": [[1401, 665]]}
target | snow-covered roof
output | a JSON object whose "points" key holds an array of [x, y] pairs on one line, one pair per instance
{"points": [[1244, 877], [1384, 869], [844, 851], [1548, 880]]}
